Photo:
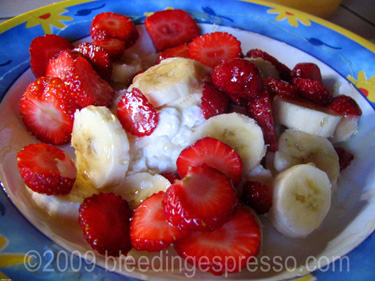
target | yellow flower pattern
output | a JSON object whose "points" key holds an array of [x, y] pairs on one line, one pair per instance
{"points": [[46, 20], [293, 17], [9, 259], [366, 86]]}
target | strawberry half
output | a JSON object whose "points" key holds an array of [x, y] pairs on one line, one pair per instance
{"points": [[213, 153], [281, 88], [214, 101], [180, 51], [258, 196], [212, 49], [58, 66], [46, 169], [43, 48], [114, 47], [203, 200], [344, 105], [170, 28], [171, 177], [112, 25], [105, 221], [312, 90], [225, 250], [149, 229], [136, 114], [307, 70], [47, 112]]}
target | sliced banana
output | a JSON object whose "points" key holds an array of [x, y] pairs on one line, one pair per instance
{"points": [[266, 68], [136, 188], [346, 129], [171, 79], [238, 131], [296, 147], [301, 116], [301, 200], [101, 147]]}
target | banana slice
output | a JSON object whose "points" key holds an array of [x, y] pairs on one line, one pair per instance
{"points": [[136, 188], [346, 129], [170, 80], [297, 147], [101, 147], [266, 68], [301, 116], [238, 131], [301, 200]]}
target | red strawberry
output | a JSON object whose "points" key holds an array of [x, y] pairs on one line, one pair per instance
{"points": [[344, 105], [215, 154], [312, 90], [43, 48], [214, 48], [258, 196], [281, 88], [345, 157], [284, 71], [46, 111], [172, 177], [203, 200], [149, 229], [214, 101], [136, 114], [170, 28], [225, 250], [239, 78], [307, 70], [105, 221], [57, 67], [114, 47], [180, 51], [112, 25], [46, 169], [260, 109]]}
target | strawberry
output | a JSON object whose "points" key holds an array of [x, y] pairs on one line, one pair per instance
{"points": [[214, 101], [260, 109], [345, 157], [58, 66], [172, 177], [113, 46], [105, 221], [170, 28], [149, 229], [212, 49], [225, 250], [284, 71], [344, 105], [203, 200], [99, 59], [239, 78], [46, 169], [46, 111], [43, 48], [112, 25], [258, 196], [281, 88], [307, 70], [312, 90], [213, 153], [180, 51], [136, 114]]}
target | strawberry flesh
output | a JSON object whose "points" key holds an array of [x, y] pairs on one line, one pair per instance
{"points": [[258, 196], [307, 70], [180, 51], [46, 169], [345, 157], [171, 177], [214, 101], [58, 66], [344, 105], [312, 90], [114, 47], [281, 88]]}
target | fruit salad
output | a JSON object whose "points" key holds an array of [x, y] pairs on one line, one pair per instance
{"points": [[182, 148]]}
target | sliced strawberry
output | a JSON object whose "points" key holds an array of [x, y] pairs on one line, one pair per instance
{"points": [[47, 112], [212, 49], [307, 70], [239, 78], [98, 57], [215, 154], [203, 200], [225, 250], [258, 196], [172, 177], [281, 88], [180, 51], [46, 169], [284, 71], [43, 48], [170, 28], [312, 90], [345, 157], [112, 25], [136, 114], [58, 66], [105, 221], [149, 229], [114, 47], [260, 109], [214, 101], [344, 105]]}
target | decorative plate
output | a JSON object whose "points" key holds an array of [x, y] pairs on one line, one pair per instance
{"points": [[33, 247]]}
